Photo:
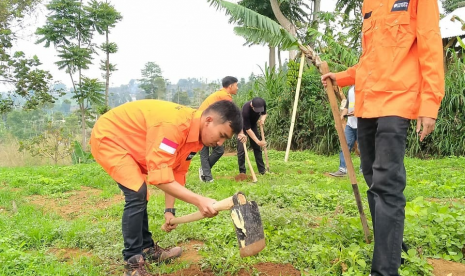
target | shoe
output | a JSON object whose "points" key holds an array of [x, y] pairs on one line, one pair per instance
{"points": [[135, 266], [158, 254], [200, 174], [338, 174]]}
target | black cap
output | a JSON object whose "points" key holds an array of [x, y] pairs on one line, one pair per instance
{"points": [[258, 104]]}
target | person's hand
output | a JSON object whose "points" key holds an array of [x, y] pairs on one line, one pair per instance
{"points": [[426, 125], [342, 117], [167, 227], [206, 207], [261, 143], [350, 114], [261, 122], [242, 138], [331, 76]]}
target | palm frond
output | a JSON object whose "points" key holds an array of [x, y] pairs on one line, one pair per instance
{"points": [[285, 41]]}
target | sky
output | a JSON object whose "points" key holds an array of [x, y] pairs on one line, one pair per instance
{"points": [[186, 38]]}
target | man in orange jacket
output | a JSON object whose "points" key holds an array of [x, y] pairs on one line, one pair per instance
{"points": [[153, 142], [399, 77], [208, 160]]}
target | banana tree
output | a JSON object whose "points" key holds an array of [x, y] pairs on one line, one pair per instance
{"points": [[263, 30]]}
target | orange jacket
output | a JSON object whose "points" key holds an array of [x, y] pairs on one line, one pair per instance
{"points": [[219, 95], [146, 140], [400, 71]]}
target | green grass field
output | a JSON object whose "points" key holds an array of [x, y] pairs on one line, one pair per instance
{"points": [[66, 220]]}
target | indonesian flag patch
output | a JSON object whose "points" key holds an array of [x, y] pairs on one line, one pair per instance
{"points": [[168, 146]]}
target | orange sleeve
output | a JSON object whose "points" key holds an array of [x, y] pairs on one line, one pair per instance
{"points": [[162, 143], [347, 77], [430, 54]]}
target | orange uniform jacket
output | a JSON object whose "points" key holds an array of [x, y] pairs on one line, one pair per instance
{"points": [[219, 95], [400, 72], [146, 140]]}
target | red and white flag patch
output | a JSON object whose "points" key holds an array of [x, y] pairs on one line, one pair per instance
{"points": [[168, 146]]}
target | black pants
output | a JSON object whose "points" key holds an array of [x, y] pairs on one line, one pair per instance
{"points": [[257, 151], [136, 234], [382, 144]]}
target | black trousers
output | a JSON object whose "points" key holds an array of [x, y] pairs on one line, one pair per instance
{"points": [[382, 144], [257, 151], [207, 160], [135, 222]]}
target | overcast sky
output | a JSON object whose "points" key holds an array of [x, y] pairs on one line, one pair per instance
{"points": [[186, 38]]}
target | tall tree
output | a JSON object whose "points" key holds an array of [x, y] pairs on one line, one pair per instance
{"points": [[16, 70], [152, 81], [105, 17], [450, 5], [69, 28]]}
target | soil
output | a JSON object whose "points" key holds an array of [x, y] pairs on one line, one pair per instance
{"points": [[264, 269], [230, 153], [242, 177], [190, 251], [75, 203], [69, 254], [446, 268]]}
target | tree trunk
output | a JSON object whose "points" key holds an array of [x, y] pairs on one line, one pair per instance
{"points": [[272, 58], [107, 76], [83, 125], [316, 9], [279, 60], [285, 23]]}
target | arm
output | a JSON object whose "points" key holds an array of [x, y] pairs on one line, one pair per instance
{"points": [[254, 137], [262, 119], [431, 65]]}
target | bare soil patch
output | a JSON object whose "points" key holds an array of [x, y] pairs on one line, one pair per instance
{"points": [[242, 177], [190, 251], [233, 153], [69, 254], [264, 269], [75, 203], [446, 268]]}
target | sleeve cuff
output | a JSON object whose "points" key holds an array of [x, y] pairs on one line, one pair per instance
{"points": [[180, 178], [344, 79], [429, 108], [161, 176]]}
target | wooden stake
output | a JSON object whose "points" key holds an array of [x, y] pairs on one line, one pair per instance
{"points": [[264, 149], [294, 110], [345, 149]]}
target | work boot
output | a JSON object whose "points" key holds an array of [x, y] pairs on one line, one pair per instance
{"points": [[158, 254], [135, 266]]}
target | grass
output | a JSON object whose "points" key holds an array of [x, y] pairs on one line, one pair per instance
{"points": [[310, 220]]}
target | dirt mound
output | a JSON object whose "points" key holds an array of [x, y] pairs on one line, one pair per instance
{"points": [[265, 269], [242, 177], [446, 268], [190, 251], [75, 203]]}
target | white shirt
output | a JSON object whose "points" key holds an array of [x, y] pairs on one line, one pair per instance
{"points": [[351, 120]]}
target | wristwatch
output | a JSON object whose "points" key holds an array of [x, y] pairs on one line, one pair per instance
{"points": [[170, 210]]}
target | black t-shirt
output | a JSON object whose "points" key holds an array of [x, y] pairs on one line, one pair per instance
{"points": [[249, 116]]}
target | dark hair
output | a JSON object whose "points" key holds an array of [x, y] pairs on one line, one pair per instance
{"points": [[229, 112], [227, 81]]}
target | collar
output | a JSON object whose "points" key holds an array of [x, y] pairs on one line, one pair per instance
{"points": [[194, 131]]}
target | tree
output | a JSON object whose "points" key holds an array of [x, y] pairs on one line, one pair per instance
{"points": [[29, 82], [54, 143], [181, 97], [152, 81], [105, 17], [450, 5], [69, 28]]}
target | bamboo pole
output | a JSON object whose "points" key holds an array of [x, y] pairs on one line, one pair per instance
{"points": [[294, 110]]}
